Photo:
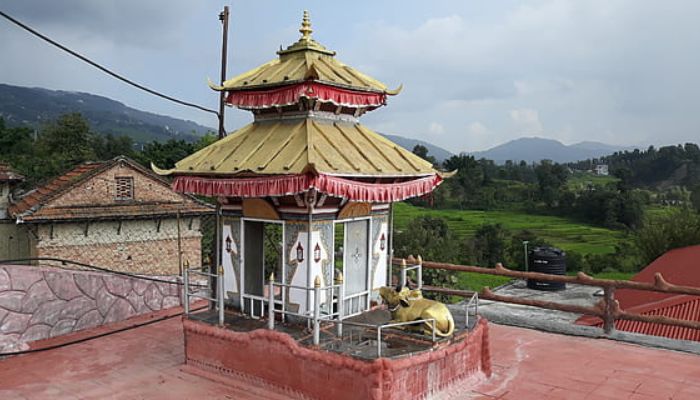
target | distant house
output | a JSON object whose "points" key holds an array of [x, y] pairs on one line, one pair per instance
{"points": [[601, 169], [678, 266], [114, 214]]}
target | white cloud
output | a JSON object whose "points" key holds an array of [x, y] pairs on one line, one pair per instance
{"points": [[436, 128], [527, 120], [477, 129]]}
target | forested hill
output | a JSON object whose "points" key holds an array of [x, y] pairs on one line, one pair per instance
{"points": [[657, 168], [22, 106]]}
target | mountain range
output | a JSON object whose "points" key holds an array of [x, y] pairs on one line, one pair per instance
{"points": [[534, 149], [35, 106]]}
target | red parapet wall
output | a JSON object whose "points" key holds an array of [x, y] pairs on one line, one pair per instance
{"points": [[276, 359]]}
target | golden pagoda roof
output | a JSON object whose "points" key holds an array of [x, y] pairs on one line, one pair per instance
{"points": [[301, 145], [305, 60]]}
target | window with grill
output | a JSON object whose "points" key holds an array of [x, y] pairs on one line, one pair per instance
{"points": [[125, 188]]}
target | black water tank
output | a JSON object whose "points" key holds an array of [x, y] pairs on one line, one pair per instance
{"points": [[547, 260]]}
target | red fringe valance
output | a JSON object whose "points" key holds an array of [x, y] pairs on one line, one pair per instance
{"points": [[251, 99], [292, 184]]}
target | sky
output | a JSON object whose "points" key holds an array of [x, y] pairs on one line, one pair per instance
{"points": [[475, 73]]}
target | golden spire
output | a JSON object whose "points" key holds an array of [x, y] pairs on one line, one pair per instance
{"points": [[305, 29]]}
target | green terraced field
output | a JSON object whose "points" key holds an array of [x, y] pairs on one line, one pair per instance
{"points": [[561, 232]]}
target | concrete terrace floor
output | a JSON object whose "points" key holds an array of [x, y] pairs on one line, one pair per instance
{"points": [[146, 363]]}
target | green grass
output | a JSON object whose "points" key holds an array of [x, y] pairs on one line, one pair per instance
{"points": [[561, 232], [581, 180], [475, 282]]}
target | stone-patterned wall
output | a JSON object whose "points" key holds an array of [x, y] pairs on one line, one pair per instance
{"points": [[139, 246], [41, 302]]}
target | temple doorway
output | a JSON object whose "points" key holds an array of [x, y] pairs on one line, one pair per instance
{"points": [[352, 257], [262, 256]]}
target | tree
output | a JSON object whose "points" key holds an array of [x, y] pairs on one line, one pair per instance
{"points": [[62, 145], [695, 197], [678, 228], [165, 155], [490, 245], [110, 146], [430, 238], [550, 179], [422, 152]]}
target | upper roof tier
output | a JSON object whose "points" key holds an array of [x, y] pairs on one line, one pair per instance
{"points": [[304, 61]]}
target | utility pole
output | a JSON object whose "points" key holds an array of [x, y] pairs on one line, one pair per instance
{"points": [[214, 285], [527, 267], [223, 17]]}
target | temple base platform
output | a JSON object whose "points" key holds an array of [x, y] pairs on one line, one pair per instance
{"points": [[345, 367]]}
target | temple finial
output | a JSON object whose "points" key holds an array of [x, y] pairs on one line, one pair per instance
{"points": [[305, 29]]}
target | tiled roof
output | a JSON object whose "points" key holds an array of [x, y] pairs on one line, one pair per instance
{"points": [[300, 145], [30, 207], [37, 197], [679, 307], [7, 174], [678, 266]]}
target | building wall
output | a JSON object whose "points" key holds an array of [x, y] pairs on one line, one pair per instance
{"points": [[140, 247], [15, 241], [4, 199], [101, 189]]}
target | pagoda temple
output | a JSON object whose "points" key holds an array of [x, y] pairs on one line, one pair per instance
{"points": [[304, 194], [306, 165]]}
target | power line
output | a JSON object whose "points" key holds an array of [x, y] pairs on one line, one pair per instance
{"points": [[104, 69]]}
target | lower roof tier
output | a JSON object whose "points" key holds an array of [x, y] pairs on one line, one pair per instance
{"points": [[383, 191], [301, 145]]}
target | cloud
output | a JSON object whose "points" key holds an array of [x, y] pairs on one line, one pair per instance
{"points": [[436, 128], [618, 71], [527, 120]]}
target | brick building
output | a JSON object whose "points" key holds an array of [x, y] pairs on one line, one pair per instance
{"points": [[114, 214]]}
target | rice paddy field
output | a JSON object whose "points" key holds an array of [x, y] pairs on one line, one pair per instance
{"points": [[561, 232]]}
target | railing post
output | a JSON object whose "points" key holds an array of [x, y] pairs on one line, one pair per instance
{"points": [[609, 317], [340, 304], [271, 302], [220, 281], [186, 287], [403, 272], [317, 310], [419, 273], [379, 341], [433, 325]]}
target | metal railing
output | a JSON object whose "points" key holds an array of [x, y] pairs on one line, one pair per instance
{"points": [[389, 325], [187, 293], [314, 315], [608, 310], [472, 303], [404, 268]]}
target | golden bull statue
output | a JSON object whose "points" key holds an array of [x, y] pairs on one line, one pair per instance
{"points": [[409, 305]]}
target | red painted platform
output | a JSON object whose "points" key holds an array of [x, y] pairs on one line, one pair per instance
{"points": [[147, 362], [270, 358]]}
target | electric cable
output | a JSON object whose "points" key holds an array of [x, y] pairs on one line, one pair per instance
{"points": [[104, 69], [89, 266]]}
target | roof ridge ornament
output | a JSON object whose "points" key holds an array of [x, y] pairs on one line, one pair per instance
{"points": [[305, 29]]}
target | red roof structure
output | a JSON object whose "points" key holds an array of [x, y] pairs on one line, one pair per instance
{"points": [[678, 266], [7, 174], [32, 207]]}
